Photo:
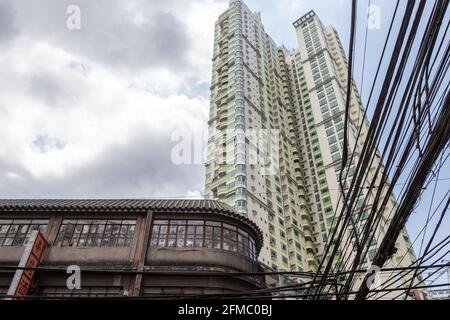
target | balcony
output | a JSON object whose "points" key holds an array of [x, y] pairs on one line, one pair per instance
{"points": [[222, 191]]}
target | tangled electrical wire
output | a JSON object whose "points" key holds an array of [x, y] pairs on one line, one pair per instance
{"points": [[408, 137]]}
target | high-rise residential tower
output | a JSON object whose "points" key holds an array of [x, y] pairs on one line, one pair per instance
{"points": [[292, 103]]}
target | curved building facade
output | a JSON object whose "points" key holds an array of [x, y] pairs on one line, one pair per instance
{"points": [[132, 247]]}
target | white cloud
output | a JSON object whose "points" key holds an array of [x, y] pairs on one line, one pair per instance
{"points": [[138, 68], [49, 90]]}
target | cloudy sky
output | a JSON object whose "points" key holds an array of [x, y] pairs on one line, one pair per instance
{"points": [[96, 112], [92, 112]]}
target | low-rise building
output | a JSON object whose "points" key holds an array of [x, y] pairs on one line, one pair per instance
{"points": [[133, 247]]}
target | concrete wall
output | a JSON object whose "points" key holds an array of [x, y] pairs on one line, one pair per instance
{"points": [[199, 257]]}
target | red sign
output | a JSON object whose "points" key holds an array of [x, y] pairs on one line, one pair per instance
{"points": [[31, 258]]}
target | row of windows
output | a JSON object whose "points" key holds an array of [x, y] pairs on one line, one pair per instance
{"points": [[118, 291], [120, 233], [158, 291], [202, 234], [15, 232], [84, 291], [96, 233]]}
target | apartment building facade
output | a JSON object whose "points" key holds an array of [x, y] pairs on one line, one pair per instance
{"points": [[248, 94], [300, 97]]}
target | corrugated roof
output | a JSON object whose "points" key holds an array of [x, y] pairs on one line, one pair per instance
{"points": [[114, 204], [124, 205]]}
